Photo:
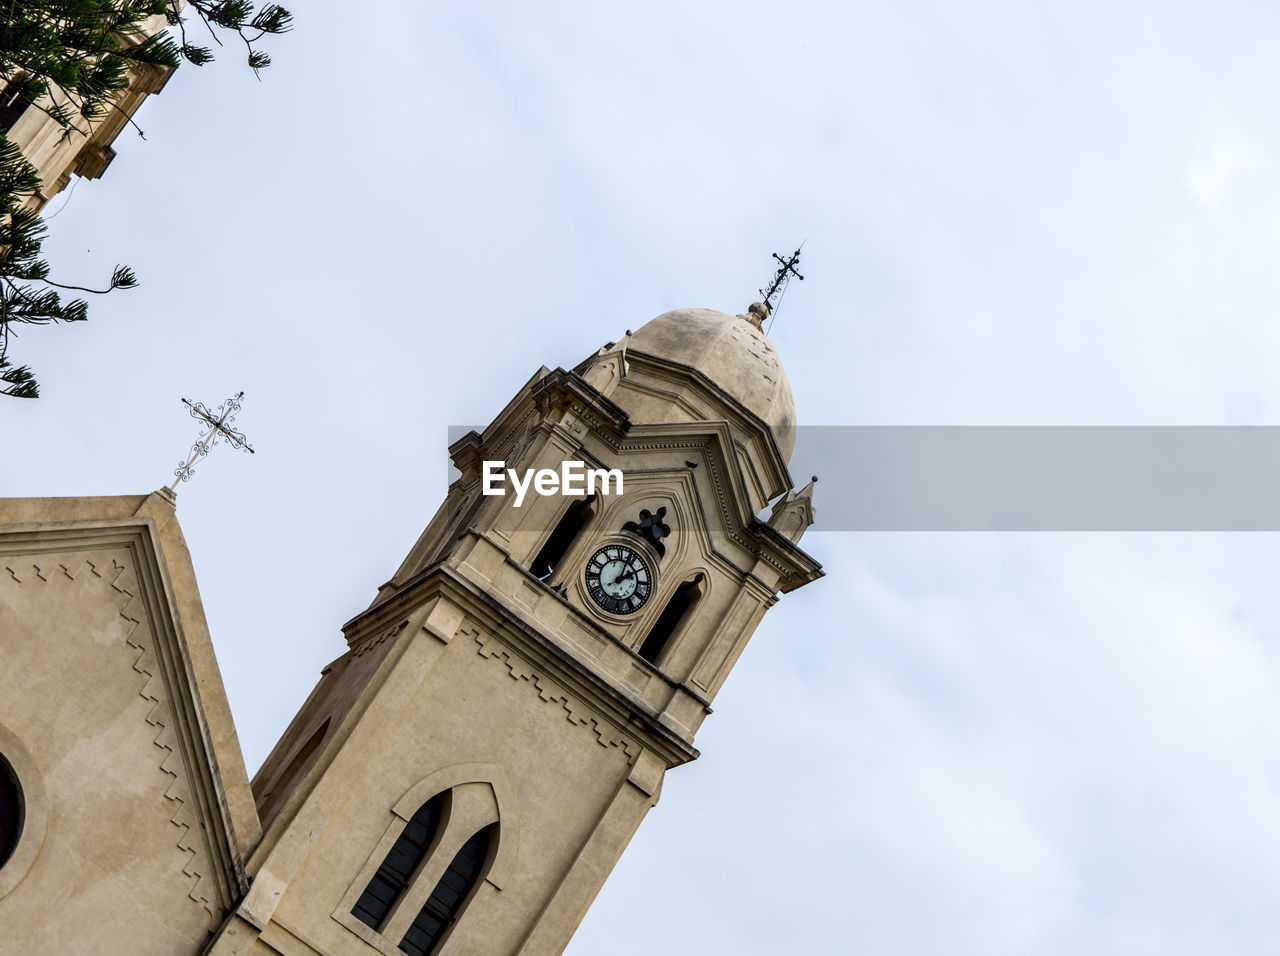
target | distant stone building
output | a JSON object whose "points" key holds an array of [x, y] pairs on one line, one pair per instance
{"points": [[463, 779], [58, 153]]}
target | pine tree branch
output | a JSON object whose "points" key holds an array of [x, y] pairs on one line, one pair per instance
{"points": [[72, 60]]}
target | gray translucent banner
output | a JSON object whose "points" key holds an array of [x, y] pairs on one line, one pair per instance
{"points": [[1040, 478]]}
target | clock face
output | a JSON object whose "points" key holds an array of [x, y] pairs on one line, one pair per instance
{"points": [[618, 579]]}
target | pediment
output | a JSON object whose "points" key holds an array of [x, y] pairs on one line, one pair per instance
{"points": [[714, 488], [111, 684]]}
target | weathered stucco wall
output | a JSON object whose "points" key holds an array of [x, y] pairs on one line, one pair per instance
{"points": [[129, 841], [79, 688]]}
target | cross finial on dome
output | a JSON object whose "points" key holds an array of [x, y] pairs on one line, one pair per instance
{"points": [[786, 269]]}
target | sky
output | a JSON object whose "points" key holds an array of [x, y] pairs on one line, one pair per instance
{"points": [[1013, 214]]}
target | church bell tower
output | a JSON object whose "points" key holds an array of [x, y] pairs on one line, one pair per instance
{"points": [[463, 779]]}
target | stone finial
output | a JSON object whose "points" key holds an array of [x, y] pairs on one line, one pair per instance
{"points": [[609, 366], [757, 313], [793, 513]]}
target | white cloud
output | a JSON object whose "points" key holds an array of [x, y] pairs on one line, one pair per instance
{"points": [[954, 743], [1209, 181]]}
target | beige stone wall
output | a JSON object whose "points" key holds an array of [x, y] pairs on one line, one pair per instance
{"points": [[119, 868], [112, 712], [477, 713], [474, 671], [318, 721]]}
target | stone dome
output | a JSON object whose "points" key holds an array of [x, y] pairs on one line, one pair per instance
{"points": [[734, 353]]}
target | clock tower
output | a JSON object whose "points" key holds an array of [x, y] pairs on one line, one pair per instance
{"points": [[463, 779]]}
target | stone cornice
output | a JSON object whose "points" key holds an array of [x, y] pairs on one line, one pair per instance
{"points": [[679, 373], [561, 389], [567, 390], [542, 653]]}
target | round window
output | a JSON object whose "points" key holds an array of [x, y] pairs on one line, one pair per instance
{"points": [[11, 811]]}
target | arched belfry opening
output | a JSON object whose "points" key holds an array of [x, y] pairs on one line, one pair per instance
{"points": [[567, 529], [672, 620]]}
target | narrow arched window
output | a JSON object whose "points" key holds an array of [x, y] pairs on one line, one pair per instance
{"points": [[678, 610], [566, 531], [445, 904], [403, 860], [11, 811]]}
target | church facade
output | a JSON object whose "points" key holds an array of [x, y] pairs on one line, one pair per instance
{"points": [[461, 780]]}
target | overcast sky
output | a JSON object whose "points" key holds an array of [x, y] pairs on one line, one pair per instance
{"points": [[1015, 213]]}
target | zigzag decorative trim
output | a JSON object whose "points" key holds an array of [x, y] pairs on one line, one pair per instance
{"points": [[366, 646], [177, 792], [574, 711]]}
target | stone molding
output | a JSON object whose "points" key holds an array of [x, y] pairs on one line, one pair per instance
{"points": [[159, 654], [576, 712]]}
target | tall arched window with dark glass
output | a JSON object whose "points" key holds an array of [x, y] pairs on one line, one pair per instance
{"points": [[396, 872], [12, 811], [447, 900]]}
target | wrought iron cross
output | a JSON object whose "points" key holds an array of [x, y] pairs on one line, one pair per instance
{"points": [[786, 269], [219, 426]]}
